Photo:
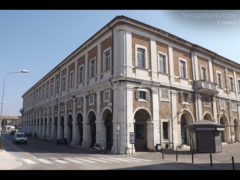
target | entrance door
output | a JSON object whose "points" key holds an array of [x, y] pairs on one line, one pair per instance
{"points": [[143, 133], [183, 130], [109, 134]]}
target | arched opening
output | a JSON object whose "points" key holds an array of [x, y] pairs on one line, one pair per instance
{"points": [[41, 128], [80, 128], [107, 118], [142, 134], [45, 128], [55, 122], [207, 117], [224, 134], [50, 127], [69, 127], [236, 130], [186, 118], [92, 123], [61, 128]]}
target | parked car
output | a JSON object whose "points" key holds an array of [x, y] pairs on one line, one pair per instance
{"points": [[20, 137]]}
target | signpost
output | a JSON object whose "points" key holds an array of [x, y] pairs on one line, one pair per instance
{"points": [[132, 139]]}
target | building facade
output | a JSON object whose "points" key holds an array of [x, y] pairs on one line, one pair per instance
{"points": [[12, 121], [132, 78]]}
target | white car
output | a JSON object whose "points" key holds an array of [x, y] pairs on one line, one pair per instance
{"points": [[20, 137]]}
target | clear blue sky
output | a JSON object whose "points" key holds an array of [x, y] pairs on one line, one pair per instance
{"points": [[37, 40]]}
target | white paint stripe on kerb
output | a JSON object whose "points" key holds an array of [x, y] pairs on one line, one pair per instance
{"points": [[29, 161], [86, 160], [73, 160], [45, 161]]}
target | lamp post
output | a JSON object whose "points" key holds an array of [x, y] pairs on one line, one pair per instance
{"points": [[2, 101]]}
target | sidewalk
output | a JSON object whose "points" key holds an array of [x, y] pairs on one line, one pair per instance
{"points": [[8, 161]]}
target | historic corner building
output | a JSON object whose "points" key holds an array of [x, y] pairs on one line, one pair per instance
{"points": [[132, 78]]}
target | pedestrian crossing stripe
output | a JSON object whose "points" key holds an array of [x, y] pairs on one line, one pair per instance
{"points": [[99, 160], [86, 160], [73, 160], [60, 161], [45, 161], [29, 161]]}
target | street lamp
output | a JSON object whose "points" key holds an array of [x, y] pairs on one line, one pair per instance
{"points": [[2, 101]]}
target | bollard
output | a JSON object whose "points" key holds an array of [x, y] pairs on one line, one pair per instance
{"points": [[233, 165], [162, 154], [211, 159], [176, 155], [192, 157]]}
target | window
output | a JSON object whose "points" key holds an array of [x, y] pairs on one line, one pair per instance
{"points": [[69, 105], [164, 94], [92, 68], [51, 89], [46, 92], [231, 83], [141, 57], [91, 100], [81, 74], [183, 69], [219, 80], [238, 86], [204, 73], [142, 94], [70, 79], [79, 102], [57, 87], [206, 100], [63, 83], [185, 97], [106, 96], [234, 107], [165, 130], [162, 63], [107, 59], [222, 104]]}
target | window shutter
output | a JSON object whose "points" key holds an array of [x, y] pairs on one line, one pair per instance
{"points": [[137, 94]]}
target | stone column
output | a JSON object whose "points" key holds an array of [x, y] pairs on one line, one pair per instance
{"points": [[154, 60], [171, 65], [215, 110], [86, 137], [155, 117], [74, 126], [98, 120], [174, 122]]}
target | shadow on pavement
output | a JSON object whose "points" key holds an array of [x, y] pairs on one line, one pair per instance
{"points": [[36, 145]]}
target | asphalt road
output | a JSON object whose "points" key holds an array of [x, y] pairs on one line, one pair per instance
{"points": [[43, 155]]}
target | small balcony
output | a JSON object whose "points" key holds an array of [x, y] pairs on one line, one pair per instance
{"points": [[206, 87]]}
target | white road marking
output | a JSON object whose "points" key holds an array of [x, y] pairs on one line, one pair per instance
{"points": [[73, 160], [29, 161], [45, 161], [60, 161], [100, 160], [121, 159], [107, 159], [85, 160], [138, 159]]}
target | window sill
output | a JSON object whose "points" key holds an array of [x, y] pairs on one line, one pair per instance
{"points": [[144, 69], [142, 100]]}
